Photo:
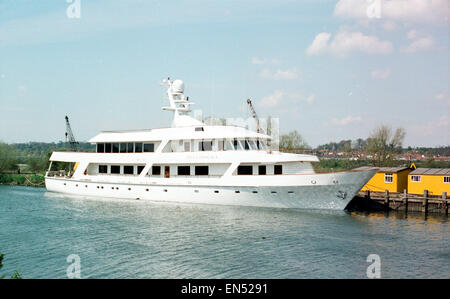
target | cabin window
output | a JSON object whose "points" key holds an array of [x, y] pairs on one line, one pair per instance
{"points": [[199, 129], [262, 169], [252, 144], [156, 170], [103, 169], [130, 147], [447, 179], [138, 147], [115, 147], [245, 170], [257, 144], [235, 144], [100, 147], [388, 178], [107, 147], [139, 169], [123, 147], [278, 169], [246, 145], [128, 169], [205, 146], [149, 147], [184, 170], [201, 170], [187, 146], [115, 169], [415, 178], [221, 145]]}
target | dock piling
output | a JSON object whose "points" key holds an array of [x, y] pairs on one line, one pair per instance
{"points": [[425, 202], [405, 198], [386, 200], [445, 202]]}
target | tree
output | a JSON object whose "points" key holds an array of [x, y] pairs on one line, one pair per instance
{"points": [[293, 140], [384, 142], [8, 160]]}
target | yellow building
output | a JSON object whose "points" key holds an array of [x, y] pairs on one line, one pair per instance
{"points": [[435, 180], [394, 179]]}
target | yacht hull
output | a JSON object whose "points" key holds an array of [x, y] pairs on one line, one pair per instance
{"points": [[319, 191]]}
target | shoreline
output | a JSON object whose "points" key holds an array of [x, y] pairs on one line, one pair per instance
{"points": [[26, 179]]}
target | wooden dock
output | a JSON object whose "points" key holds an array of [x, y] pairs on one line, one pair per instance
{"points": [[387, 201]]}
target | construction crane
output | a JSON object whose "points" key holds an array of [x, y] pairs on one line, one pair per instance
{"points": [[255, 116], [69, 136]]}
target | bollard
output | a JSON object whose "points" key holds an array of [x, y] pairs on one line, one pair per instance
{"points": [[425, 202]]}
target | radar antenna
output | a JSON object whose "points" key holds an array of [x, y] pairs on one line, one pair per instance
{"points": [[69, 136], [255, 116]]}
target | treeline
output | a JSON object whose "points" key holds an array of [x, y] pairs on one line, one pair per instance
{"points": [[33, 156], [363, 144]]}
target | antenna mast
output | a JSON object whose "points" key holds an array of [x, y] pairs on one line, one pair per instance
{"points": [[69, 135]]}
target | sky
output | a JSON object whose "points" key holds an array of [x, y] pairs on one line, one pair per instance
{"points": [[330, 69]]}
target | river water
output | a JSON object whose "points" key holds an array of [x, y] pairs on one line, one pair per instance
{"points": [[117, 238]]}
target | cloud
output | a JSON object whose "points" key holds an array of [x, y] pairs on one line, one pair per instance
{"points": [[440, 126], [419, 42], [346, 120], [413, 11], [262, 61], [346, 42], [271, 101], [280, 74], [381, 74], [440, 96], [285, 100], [389, 26]]}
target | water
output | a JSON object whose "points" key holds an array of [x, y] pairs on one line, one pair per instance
{"points": [[137, 239]]}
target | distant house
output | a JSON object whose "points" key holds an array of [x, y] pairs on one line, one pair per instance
{"points": [[435, 180], [394, 179]]}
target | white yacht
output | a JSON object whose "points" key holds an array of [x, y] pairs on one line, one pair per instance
{"points": [[197, 163]]}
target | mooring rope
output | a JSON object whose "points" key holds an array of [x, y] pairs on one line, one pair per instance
{"points": [[43, 182]]}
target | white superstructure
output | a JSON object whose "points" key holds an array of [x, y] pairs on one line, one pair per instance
{"points": [[198, 163]]}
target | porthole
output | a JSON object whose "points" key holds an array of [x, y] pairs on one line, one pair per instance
{"points": [[64, 184], [112, 188], [98, 187], [237, 191], [216, 191], [290, 192], [76, 185], [254, 191], [165, 190], [146, 190], [117, 188], [102, 187], [196, 191], [85, 186], [313, 182], [129, 189], [273, 192]]}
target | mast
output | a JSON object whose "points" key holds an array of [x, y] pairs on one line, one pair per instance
{"points": [[179, 104]]}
